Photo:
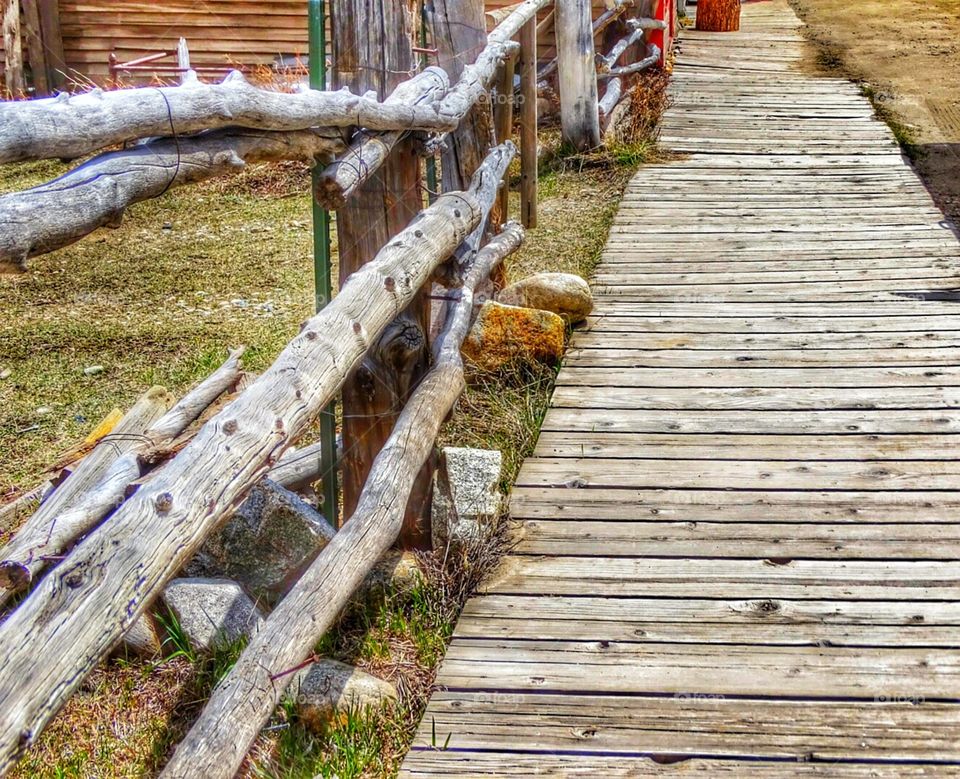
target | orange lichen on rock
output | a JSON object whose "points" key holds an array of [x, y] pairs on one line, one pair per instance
{"points": [[506, 334]]}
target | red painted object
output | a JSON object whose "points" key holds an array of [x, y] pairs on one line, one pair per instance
{"points": [[666, 11]]}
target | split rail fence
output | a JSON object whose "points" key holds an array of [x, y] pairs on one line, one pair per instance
{"points": [[103, 543]]}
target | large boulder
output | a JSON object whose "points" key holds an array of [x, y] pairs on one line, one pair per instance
{"points": [[565, 294], [211, 612], [466, 494], [327, 690], [502, 335], [270, 540]]}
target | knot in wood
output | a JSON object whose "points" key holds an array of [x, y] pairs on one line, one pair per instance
{"points": [[163, 502], [230, 426], [389, 284], [311, 335]]}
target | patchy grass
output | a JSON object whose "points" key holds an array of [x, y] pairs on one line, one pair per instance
{"points": [[158, 301]]}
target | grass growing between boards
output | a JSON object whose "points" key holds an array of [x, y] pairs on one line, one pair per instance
{"points": [[158, 301]]}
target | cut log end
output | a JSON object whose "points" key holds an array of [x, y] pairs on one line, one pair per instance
{"points": [[718, 15]]}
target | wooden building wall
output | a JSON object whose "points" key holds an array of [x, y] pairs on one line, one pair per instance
{"points": [[218, 32]]}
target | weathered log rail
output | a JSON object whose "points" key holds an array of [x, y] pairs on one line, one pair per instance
{"points": [[130, 517]]}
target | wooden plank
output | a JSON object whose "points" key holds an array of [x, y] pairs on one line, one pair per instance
{"points": [[691, 446], [691, 725], [637, 505], [587, 473], [741, 540], [608, 666], [437, 762], [759, 398], [759, 358], [737, 579], [712, 621], [819, 423]]}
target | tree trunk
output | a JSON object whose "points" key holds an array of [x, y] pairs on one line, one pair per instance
{"points": [[718, 15], [373, 43], [35, 51], [579, 115], [73, 126]]}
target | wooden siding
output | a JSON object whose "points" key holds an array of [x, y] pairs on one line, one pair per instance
{"points": [[219, 32]]}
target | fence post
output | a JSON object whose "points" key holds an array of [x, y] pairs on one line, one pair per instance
{"points": [[528, 124], [460, 34], [579, 115], [13, 49], [373, 50], [503, 124]]}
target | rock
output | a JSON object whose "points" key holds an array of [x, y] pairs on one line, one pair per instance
{"points": [[211, 611], [398, 570], [328, 689], [565, 294], [270, 540], [503, 334], [466, 494], [144, 637], [92, 370], [44, 411], [6, 373]]}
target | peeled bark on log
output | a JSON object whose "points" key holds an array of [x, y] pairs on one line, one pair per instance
{"points": [[578, 82], [68, 127], [718, 15], [96, 194], [300, 468], [609, 100], [609, 60], [652, 58], [369, 151], [243, 702], [100, 482], [81, 609]]}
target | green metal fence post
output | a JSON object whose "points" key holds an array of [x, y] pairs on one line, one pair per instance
{"points": [[323, 288]]}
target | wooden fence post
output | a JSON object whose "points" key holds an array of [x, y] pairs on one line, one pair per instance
{"points": [[460, 34], [35, 51], [579, 116], [13, 49], [372, 50], [503, 124], [528, 124], [52, 38]]}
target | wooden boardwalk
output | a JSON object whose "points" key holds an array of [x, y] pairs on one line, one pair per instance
{"points": [[740, 531]]}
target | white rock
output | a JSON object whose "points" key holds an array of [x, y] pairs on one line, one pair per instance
{"points": [[6, 373], [466, 494], [328, 688], [44, 411], [565, 294], [93, 370], [211, 611], [144, 637]]}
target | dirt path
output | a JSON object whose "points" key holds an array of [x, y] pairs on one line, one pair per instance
{"points": [[908, 53]]}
